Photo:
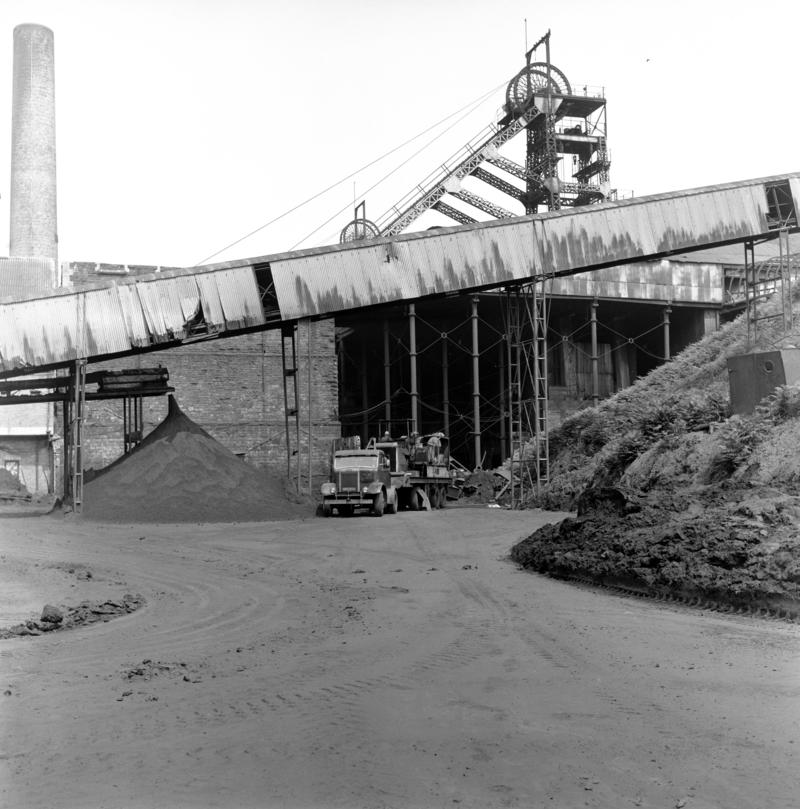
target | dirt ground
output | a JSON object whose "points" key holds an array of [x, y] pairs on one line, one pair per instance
{"points": [[398, 662]]}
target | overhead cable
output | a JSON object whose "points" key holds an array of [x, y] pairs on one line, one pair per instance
{"points": [[471, 105]]}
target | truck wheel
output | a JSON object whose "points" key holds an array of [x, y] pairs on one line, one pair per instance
{"points": [[378, 505], [326, 510], [391, 508], [345, 511], [433, 496], [443, 497], [413, 501]]}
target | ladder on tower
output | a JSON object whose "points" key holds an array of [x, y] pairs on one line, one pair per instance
{"points": [[291, 397], [526, 323]]}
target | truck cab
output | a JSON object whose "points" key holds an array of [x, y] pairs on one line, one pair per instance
{"points": [[359, 479]]}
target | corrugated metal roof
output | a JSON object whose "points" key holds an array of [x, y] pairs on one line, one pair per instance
{"points": [[153, 310], [490, 254]]}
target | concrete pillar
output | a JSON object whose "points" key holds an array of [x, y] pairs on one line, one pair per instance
{"points": [[33, 229]]}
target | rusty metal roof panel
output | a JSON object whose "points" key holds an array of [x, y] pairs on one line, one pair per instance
{"points": [[600, 235], [389, 270], [121, 317], [133, 317], [681, 223], [209, 295], [46, 331], [167, 304], [106, 331], [237, 292], [646, 281]]}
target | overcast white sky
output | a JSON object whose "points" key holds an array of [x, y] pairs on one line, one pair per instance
{"points": [[184, 124]]}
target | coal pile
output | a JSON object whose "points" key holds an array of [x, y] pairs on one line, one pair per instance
{"points": [[179, 473]]}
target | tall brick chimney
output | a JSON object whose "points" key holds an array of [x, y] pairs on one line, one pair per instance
{"points": [[33, 230]]}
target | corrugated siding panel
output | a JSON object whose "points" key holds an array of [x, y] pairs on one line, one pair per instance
{"points": [[133, 316], [238, 294], [105, 330], [123, 317], [167, 304], [31, 332], [209, 296], [659, 281], [403, 269], [596, 236], [315, 284]]}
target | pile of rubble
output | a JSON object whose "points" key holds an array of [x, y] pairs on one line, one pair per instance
{"points": [[55, 618], [719, 547], [12, 490]]}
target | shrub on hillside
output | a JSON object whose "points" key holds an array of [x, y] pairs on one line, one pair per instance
{"points": [[736, 439], [784, 403]]}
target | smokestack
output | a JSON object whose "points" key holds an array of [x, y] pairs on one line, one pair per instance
{"points": [[33, 145]]}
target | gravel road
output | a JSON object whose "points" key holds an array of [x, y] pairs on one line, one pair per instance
{"points": [[397, 662]]}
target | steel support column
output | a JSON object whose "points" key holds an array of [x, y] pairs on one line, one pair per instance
{"points": [[76, 434], [309, 325], [412, 357], [595, 358], [750, 291], [476, 385], [501, 367], [667, 312], [289, 363], [364, 393], [387, 376], [132, 422], [445, 385]]}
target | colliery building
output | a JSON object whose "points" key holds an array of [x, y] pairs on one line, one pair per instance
{"points": [[491, 329]]}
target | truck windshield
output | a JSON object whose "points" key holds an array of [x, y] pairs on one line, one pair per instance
{"points": [[355, 462]]}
